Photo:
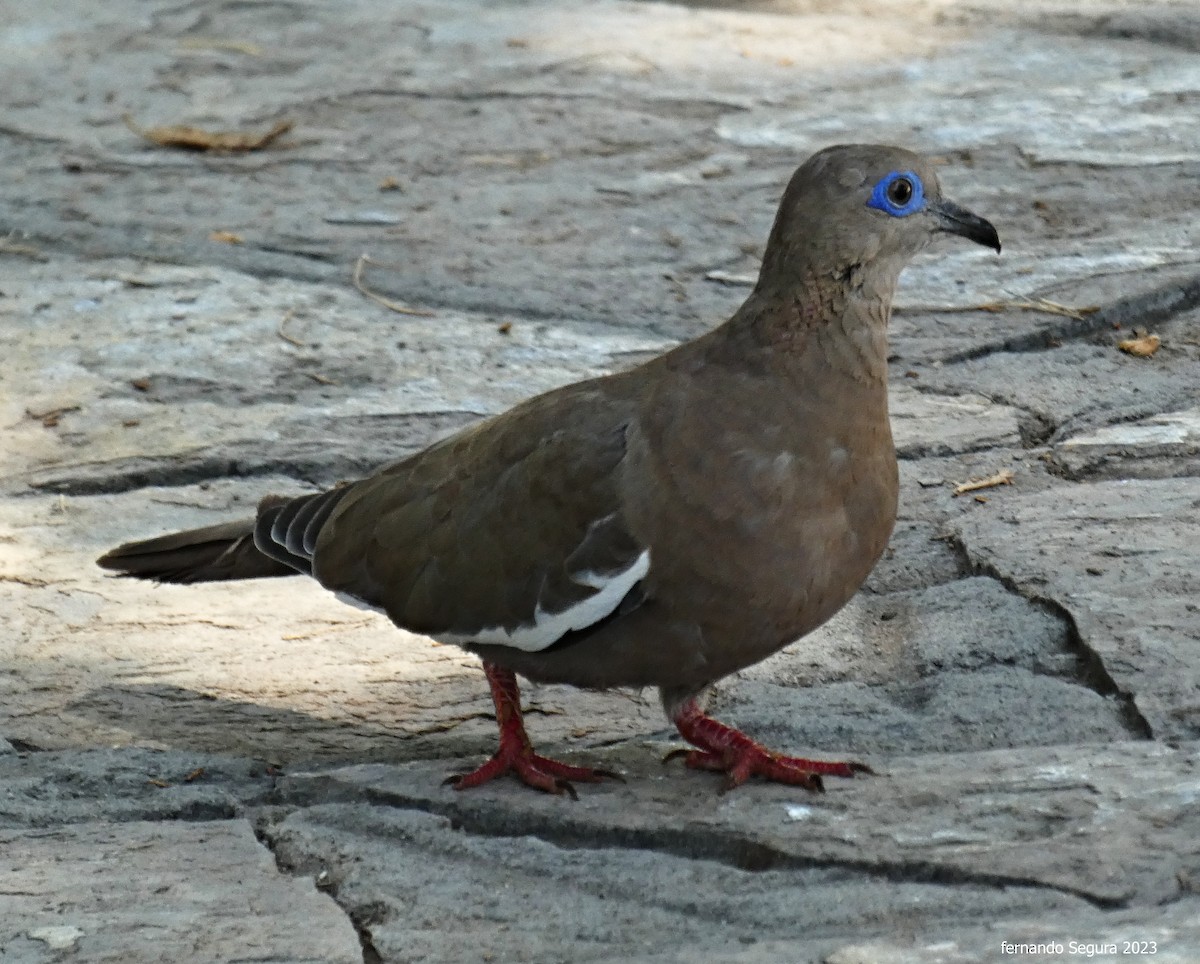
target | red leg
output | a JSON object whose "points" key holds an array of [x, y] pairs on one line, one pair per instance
{"points": [[730, 751], [516, 754]]}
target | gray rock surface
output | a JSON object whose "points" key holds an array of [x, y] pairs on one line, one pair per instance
{"points": [[161, 891], [562, 189]]}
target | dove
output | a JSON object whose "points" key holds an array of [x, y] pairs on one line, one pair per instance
{"points": [[664, 526]]}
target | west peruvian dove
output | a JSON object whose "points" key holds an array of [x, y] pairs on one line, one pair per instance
{"points": [[665, 526]]}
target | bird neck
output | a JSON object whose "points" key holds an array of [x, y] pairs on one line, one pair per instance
{"points": [[836, 320]]}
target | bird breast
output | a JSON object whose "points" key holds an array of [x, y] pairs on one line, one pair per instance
{"points": [[795, 506], [810, 527]]}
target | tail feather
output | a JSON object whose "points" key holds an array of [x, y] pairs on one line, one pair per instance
{"points": [[212, 554], [279, 542]]}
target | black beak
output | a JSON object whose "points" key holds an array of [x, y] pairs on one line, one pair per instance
{"points": [[955, 220]]}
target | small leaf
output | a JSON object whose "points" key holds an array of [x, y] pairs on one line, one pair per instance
{"points": [[1142, 346], [197, 139]]}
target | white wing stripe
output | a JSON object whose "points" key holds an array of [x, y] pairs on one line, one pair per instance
{"points": [[548, 628]]}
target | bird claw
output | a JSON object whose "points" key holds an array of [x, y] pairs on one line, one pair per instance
{"points": [[539, 772], [795, 771], [729, 751], [515, 754]]}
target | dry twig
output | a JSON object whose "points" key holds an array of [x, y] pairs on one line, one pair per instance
{"points": [[216, 43], [378, 298], [288, 316], [9, 246], [1042, 305], [1003, 477], [53, 416]]}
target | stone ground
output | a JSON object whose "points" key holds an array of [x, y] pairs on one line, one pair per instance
{"points": [[252, 772]]}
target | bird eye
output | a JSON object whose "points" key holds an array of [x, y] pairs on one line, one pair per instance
{"points": [[900, 191], [898, 195]]}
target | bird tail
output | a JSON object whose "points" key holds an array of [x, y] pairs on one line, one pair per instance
{"points": [[211, 554], [279, 542]]}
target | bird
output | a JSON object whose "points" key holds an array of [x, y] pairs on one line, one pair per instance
{"points": [[664, 526]]}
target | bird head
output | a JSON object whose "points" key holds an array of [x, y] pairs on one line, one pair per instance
{"points": [[863, 206]]}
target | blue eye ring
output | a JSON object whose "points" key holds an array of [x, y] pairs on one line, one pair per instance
{"points": [[899, 193]]}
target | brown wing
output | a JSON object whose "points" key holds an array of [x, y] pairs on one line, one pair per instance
{"points": [[501, 525]]}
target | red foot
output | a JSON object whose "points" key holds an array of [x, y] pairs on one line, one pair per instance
{"points": [[515, 753], [730, 751]]}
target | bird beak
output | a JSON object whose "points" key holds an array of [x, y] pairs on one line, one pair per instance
{"points": [[955, 220]]}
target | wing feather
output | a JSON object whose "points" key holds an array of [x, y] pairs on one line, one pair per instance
{"points": [[510, 531]]}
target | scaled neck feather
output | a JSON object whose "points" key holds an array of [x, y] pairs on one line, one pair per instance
{"points": [[836, 318]]}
